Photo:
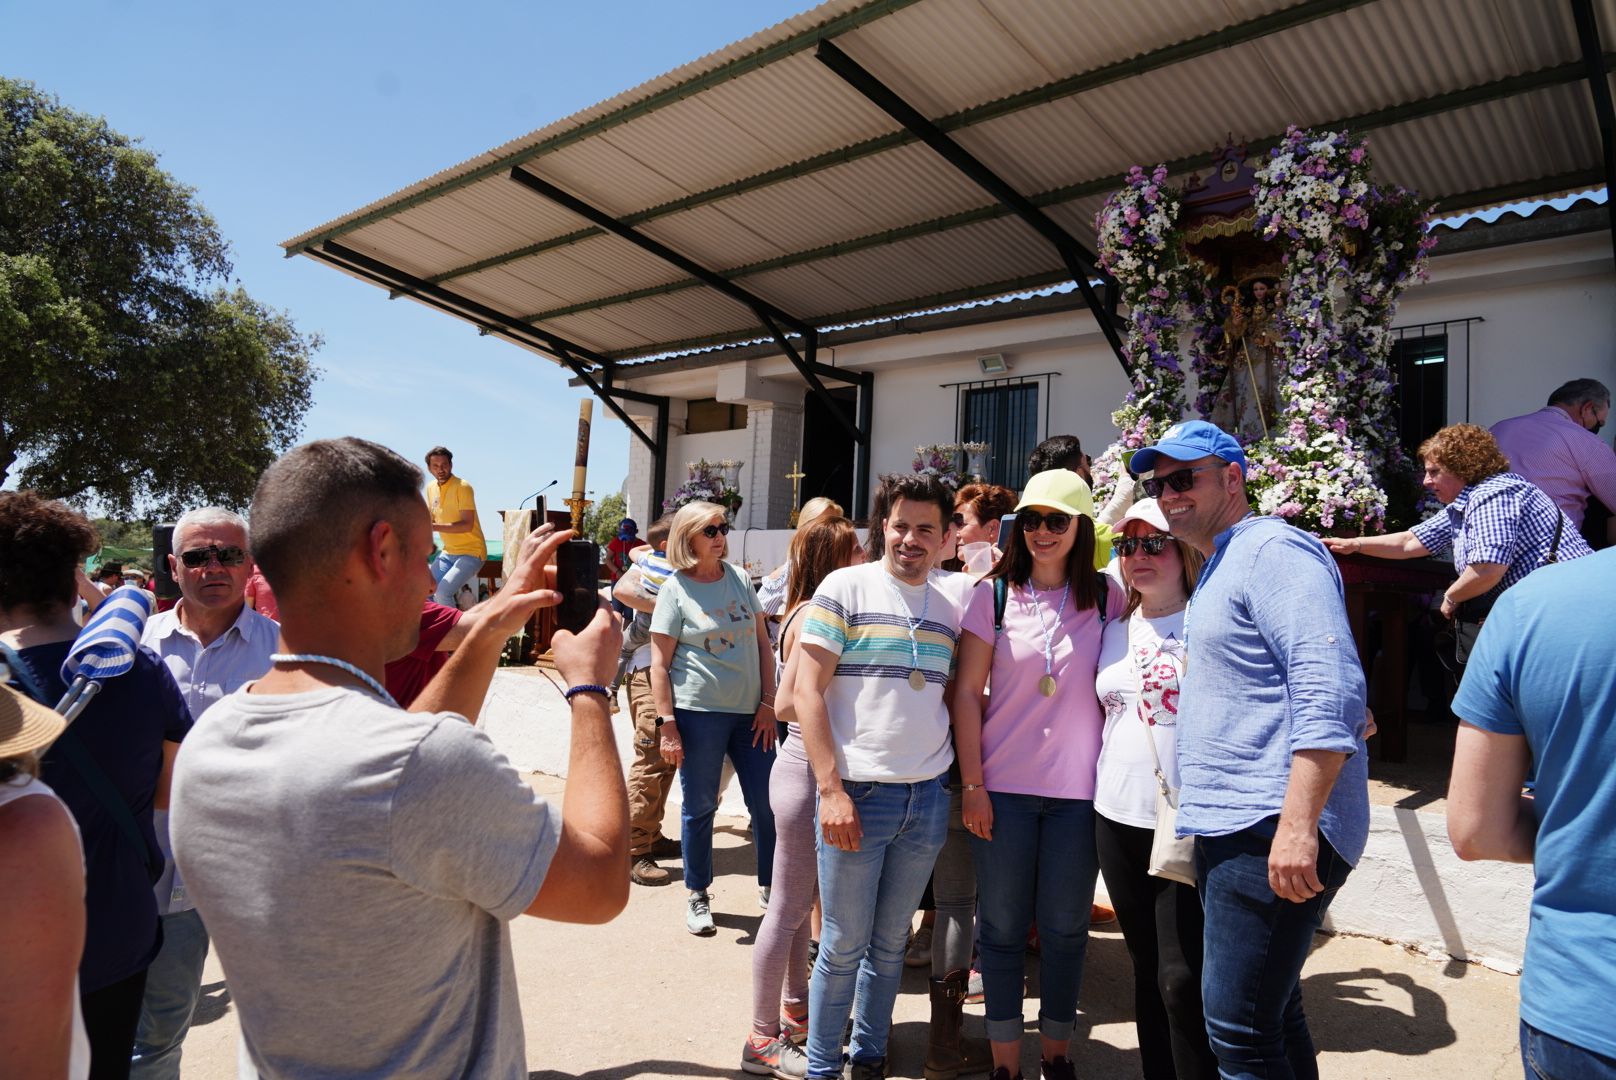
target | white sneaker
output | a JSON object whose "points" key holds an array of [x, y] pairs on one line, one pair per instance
{"points": [[699, 915], [763, 897]]}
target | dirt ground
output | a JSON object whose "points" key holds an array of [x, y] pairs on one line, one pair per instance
{"points": [[640, 997]]}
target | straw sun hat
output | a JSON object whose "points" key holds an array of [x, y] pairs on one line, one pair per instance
{"points": [[25, 724]]}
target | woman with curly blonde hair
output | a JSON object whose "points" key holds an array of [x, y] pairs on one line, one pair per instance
{"points": [[1501, 526]]}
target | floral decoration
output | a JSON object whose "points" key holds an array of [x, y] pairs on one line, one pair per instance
{"points": [[942, 461], [708, 481]]}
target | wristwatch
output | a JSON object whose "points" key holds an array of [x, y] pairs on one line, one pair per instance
{"points": [[663, 720]]}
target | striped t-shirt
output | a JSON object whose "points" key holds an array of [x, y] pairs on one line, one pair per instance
{"points": [[883, 728]]}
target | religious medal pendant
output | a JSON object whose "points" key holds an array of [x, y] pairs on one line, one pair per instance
{"points": [[917, 679], [1046, 686]]}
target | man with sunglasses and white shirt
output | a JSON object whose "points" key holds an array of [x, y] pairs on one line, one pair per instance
{"points": [[213, 644], [1270, 746]]}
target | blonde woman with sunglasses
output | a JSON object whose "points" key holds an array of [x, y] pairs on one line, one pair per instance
{"points": [[712, 676]]}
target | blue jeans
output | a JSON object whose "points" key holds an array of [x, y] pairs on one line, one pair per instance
{"points": [[451, 572], [1256, 944], [707, 738], [1040, 864], [173, 985], [869, 898], [1545, 1057]]}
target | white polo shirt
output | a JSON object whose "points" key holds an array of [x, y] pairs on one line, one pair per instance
{"points": [[204, 674]]}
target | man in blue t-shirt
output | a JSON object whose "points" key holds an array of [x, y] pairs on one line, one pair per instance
{"points": [[1538, 691]]}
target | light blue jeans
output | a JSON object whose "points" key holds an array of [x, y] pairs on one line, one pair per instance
{"points": [[173, 985], [451, 572], [869, 898]]}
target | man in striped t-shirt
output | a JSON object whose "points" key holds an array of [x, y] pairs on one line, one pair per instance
{"points": [[877, 651]]}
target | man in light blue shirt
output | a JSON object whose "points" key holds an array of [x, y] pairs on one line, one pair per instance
{"points": [[213, 644], [1538, 691], [1270, 747]]}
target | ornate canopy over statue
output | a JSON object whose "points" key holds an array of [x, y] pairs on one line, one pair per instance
{"points": [[1278, 284]]}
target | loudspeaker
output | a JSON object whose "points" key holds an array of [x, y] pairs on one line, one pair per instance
{"points": [[163, 583]]}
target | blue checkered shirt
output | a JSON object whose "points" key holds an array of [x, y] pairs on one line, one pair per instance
{"points": [[1504, 519]]}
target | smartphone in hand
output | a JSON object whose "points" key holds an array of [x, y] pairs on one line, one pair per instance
{"points": [[578, 582]]}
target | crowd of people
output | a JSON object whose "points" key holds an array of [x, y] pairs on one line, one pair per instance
{"points": [[984, 709]]}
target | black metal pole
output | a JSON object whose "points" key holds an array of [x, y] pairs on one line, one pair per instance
{"points": [[1593, 59]]}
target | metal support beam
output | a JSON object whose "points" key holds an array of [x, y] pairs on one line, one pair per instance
{"points": [[486, 319], [1593, 59], [1080, 262], [771, 317], [759, 306], [661, 447]]}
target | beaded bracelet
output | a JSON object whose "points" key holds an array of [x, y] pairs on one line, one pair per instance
{"points": [[587, 688]]}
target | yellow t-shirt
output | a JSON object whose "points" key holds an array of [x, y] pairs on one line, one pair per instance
{"points": [[447, 501]]}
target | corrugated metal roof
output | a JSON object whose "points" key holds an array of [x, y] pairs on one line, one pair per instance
{"points": [[759, 163]]}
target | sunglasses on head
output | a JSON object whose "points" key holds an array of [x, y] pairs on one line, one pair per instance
{"points": [[1154, 544], [712, 531], [1031, 520], [1180, 481], [197, 558]]}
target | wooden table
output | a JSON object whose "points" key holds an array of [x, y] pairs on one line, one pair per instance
{"points": [[1389, 587]]}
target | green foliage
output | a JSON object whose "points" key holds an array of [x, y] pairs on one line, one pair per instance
{"points": [[128, 372], [123, 534], [600, 520]]}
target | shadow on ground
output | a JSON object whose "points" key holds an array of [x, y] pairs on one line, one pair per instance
{"points": [[1357, 1011], [213, 1005], [635, 1069]]}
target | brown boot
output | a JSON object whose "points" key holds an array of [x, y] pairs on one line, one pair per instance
{"points": [[949, 1053]]}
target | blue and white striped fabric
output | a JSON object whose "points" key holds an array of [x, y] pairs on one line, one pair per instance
{"points": [[106, 647]]}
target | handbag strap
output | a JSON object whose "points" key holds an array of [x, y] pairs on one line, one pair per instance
{"points": [[1139, 708], [1554, 548], [77, 756]]}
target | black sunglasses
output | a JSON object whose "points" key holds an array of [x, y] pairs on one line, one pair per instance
{"points": [[1154, 544], [712, 531], [1030, 520], [958, 519], [1180, 481], [197, 558]]}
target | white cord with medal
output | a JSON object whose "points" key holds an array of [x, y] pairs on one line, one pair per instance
{"points": [[1047, 685], [917, 678], [331, 661]]}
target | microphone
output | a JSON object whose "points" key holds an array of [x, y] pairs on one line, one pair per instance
{"points": [[537, 493]]}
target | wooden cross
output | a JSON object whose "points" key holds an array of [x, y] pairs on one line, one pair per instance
{"points": [[795, 476]]}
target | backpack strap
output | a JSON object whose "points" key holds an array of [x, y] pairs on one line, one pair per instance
{"points": [[78, 757]]}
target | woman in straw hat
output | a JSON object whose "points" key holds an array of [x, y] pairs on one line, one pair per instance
{"points": [[42, 894]]}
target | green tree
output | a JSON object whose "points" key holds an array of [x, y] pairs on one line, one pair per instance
{"points": [[129, 371], [600, 519], [123, 534]]}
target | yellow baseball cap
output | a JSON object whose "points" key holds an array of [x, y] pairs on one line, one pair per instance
{"points": [[1062, 489]]}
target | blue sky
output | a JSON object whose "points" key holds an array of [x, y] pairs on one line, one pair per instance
{"points": [[285, 115]]}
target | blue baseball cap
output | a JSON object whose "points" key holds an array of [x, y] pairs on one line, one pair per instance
{"points": [[627, 528], [1187, 441]]}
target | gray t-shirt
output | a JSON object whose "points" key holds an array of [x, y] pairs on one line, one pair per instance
{"points": [[716, 664], [356, 865]]}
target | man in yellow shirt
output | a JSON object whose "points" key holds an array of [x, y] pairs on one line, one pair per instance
{"points": [[454, 517]]}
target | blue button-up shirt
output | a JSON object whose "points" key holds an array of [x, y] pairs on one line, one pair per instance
{"points": [[1271, 670], [1504, 519]]}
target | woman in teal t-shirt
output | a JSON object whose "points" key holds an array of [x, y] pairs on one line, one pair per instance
{"points": [[713, 680]]}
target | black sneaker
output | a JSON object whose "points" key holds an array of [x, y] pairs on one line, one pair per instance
{"points": [[870, 1070], [1059, 1069]]}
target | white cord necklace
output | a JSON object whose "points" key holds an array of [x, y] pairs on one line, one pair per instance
{"points": [[331, 661], [917, 677], [1047, 685]]}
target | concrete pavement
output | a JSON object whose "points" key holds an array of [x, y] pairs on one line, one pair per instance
{"points": [[642, 998]]}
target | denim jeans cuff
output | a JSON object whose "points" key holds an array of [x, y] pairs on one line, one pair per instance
{"points": [[1056, 1030], [1005, 1030]]}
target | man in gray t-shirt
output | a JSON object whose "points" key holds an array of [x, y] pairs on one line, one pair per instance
{"points": [[357, 864]]}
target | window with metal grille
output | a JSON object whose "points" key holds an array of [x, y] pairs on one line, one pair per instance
{"points": [[1421, 363], [1006, 418]]}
